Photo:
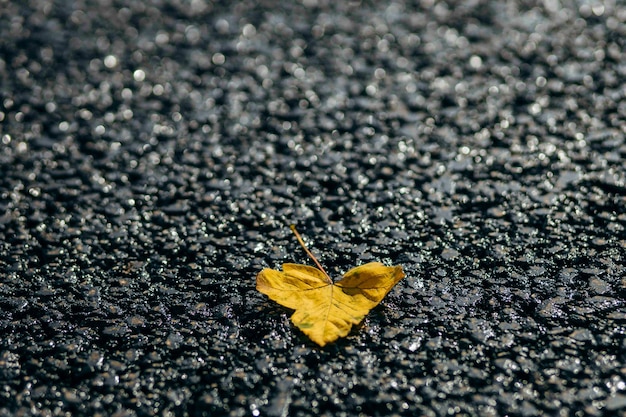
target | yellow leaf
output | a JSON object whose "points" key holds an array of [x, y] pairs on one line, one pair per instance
{"points": [[326, 311]]}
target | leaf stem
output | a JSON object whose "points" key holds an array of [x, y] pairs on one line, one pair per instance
{"points": [[308, 252]]}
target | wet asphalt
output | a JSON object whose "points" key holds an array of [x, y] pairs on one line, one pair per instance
{"points": [[154, 153]]}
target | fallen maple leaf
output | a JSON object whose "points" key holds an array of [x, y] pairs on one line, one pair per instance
{"points": [[326, 311]]}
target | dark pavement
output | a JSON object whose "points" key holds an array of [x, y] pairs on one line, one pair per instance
{"points": [[154, 153]]}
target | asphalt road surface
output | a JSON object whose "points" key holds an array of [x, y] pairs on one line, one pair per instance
{"points": [[154, 153]]}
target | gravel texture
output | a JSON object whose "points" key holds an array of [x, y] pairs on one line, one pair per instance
{"points": [[153, 154]]}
